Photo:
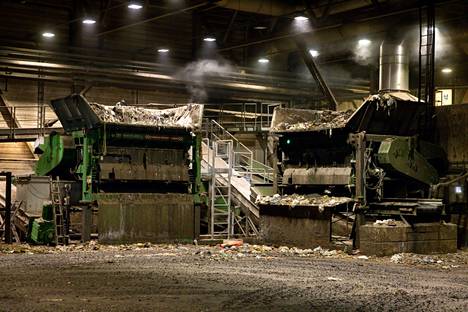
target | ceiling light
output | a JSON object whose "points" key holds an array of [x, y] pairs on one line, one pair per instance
{"points": [[48, 34], [263, 60], [314, 53], [446, 70], [260, 27], [163, 50], [135, 6], [364, 42], [301, 18], [89, 21], [209, 39]]}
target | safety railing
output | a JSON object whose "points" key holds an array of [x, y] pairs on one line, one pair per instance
{"points": [[242, 156], [32, 120]]}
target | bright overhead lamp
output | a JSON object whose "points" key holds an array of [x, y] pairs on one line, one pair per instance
{"points": [[446, 70], [364, 42], [314, 53], [48, 34], [89, 21], [301, 18], [163, 50], [263, 60], [209, 39], [134, 5]]}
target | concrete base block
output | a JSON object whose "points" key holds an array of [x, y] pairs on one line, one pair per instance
{"points": [[425, 238], [146, 217], [300, 232]]}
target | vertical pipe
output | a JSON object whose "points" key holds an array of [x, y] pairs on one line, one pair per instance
{"points": [[8, 208]]}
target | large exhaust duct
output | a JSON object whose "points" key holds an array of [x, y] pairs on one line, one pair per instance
{"points": [[393, 67]]}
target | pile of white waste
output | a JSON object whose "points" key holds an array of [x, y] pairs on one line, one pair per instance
{"points": [[181, 117], [303, 200], [322, 120]]}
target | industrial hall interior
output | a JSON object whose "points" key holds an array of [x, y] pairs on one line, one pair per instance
{"points": [[233, 155]]}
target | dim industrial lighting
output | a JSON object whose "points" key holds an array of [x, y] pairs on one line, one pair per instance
{"points": [[48, 34], [209, 39], [163, 50], [260, 27], [301, 18], [263, 60], [446, 70], [314, 53], [364, 42], [89, 21], [134, 6]]}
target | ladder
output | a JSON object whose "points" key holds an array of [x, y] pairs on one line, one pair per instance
{"points": [[427, 34], [220, 189], [61, 236]]}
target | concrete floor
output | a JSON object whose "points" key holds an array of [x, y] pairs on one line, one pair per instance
{"points": [[191, 278]]}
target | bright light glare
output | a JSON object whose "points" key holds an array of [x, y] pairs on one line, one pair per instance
{"points": [[135, 6], [48, 34], [263, 60], [89, 21], [163, 50], [314, 53], [301, 18], [364, 42], [209, 39], [446, 70]]}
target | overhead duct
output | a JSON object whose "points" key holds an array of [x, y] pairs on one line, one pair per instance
{"points": [[278, 7], [393, 67]]}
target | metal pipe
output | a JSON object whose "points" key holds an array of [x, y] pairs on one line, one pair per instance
{"points": [[393, 67], [8, 180]]}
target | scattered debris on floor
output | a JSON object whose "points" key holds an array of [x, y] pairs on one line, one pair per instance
{"points": [[444, 261], [303, 200], [235, 249], [181, 117], [336, 279]]}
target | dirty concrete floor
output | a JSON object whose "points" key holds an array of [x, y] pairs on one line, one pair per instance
{"points": [[191, 278]]}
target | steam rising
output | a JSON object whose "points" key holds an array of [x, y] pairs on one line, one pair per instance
{"points": [[362, 53], [196, 73]]}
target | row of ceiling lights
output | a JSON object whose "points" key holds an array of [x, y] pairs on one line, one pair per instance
{"points": [[136, 5], [89, 20]]}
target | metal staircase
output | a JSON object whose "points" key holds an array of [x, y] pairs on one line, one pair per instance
{"points": [[232, 171], [220, 189]]}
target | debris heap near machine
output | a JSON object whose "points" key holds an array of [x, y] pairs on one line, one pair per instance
{"points": [[180, 117], [303, 200], [320, 120]]}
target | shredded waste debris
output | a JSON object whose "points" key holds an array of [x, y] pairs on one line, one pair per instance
{"points": [[322, 120], [303, 200], [180, 117], [389, 222], [233, 250]]}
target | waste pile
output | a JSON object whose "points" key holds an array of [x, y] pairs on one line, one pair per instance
{"points": [[303, 200], [322, 120], [444, 261], [180, 117]]}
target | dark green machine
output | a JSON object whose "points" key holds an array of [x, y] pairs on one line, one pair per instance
{"points": [[139, 167]]}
